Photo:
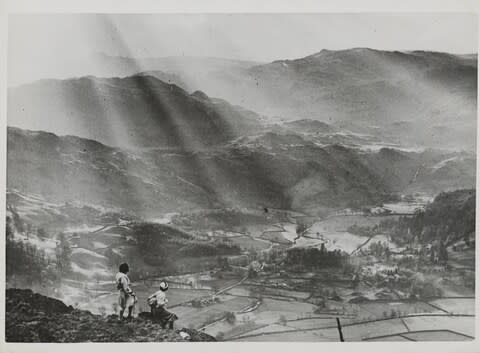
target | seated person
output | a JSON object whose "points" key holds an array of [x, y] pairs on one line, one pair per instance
{"points": [[157, 302]]}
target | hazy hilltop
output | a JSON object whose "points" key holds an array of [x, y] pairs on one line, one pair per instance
{"points": [[371, 85], [136, 111], [428, 98], [418, 97], [99, 64], [126, 66], [402, 93]]}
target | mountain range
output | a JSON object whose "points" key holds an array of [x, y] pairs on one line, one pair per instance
{"points": [[270, 170], [361, 126], [136, 111], [424, 98], [416, 97]]}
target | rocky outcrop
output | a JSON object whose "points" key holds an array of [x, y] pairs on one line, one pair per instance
{"points": [[32, 317]]}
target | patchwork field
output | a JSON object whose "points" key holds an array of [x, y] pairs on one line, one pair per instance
{"points": [[280, 303]]}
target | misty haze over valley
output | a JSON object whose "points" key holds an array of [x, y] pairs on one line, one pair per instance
{"points": [[275, 196]]}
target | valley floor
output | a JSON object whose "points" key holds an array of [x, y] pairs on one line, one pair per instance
{"points": [[280, 305]]}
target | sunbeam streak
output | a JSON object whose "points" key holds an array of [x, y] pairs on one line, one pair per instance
{"points": [[241, 177]]}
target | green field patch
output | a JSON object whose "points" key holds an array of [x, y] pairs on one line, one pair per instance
{"points": [[297, 307], [341, 223], [461, 324], [88, 259], [197, 317], [201, 316], [241, 291], [275, 237], [463, 259], [178, 296], [372, 329], [436, 336], [271, 291], [265, 317], [233, 304], [110, 239], [456, 305], [275, 298], [256, 230], [228, 330], [312, 323], [268, 329], [220, 327], [394, 338], [248, 243], [383, 310], [343, 241], [326, 335]]}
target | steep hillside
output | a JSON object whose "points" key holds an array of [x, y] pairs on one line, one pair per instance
{"points": [[136, 111], [427, 171], [72, 169], [277, 170], [452, 214], [32, 317], [272, 172]]}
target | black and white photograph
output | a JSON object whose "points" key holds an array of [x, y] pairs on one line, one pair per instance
{"points": [[240, 177]]}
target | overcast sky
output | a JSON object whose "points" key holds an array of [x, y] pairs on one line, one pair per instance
{"points": [[41, 44]]}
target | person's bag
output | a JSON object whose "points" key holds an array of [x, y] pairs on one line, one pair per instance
{"points": [[152, 301]]}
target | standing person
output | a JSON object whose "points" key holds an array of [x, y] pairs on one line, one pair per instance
{"points": [[126, 296], [158, 302]]}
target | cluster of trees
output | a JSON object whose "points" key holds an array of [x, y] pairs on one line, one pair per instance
{"points": [[63, 255], [223, 264], [302, 229], [439, 253], [314, 257], [26, 263], [157, 242], [386, 225], [449, 218], [393, 314], [151, 236], [379, 249], [274, 256], [230, 317], [160, 245], [15, 221]]}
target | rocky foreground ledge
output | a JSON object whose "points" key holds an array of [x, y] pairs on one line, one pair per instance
{"points": [[31, 317]]}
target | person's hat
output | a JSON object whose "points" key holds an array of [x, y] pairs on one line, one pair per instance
{"points": [[163, 285]]}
